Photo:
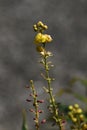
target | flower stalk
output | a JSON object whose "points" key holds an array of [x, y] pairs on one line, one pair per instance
{"points": [[41, 40], [36, 103], [78, 119], [53, 107], [75, 113]]}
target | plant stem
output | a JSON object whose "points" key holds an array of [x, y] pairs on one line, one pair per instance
{"points": [[52, 99], [35, 104]]}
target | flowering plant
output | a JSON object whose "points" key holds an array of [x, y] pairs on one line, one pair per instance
{"points": [[75, 113]]}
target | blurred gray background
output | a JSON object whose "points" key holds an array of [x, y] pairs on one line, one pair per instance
{"points": [[67, 21]]}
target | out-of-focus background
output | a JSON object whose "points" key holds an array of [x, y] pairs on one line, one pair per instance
{"points": [[67, 22]]}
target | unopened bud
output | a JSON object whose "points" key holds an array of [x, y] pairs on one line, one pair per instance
{"points": [[40, 101], [40, 111], [28, 100], [31, 110], [27, 86], [43, 121]]}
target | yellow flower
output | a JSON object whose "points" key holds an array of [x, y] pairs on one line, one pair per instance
{"points": [[42, 38], [74, 119], [76, 106], [40, 24], [81, 117], [79, 111], [35, 27], [48, 38], [70, 107]]}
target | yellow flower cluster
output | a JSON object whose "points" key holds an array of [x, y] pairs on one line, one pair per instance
{"points": [[75, 111], [40, 27], [77, 117], [40, 37]]}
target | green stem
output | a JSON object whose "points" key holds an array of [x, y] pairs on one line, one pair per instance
{"points": [[49, 80], [78, 123]]}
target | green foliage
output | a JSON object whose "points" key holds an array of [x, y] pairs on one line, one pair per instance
{"points": [[69, 89], [75, 79]]}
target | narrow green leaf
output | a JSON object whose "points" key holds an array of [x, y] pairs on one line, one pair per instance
{"points": [[24, 123]]}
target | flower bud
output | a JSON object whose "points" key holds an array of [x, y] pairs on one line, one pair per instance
{"points": [[45, 27], [76, 106], [27, 86], [43, 121], [40, 111], [40, 48], [40, 24], [74, 119], [35, 27], [79, 110], [40, 101], [31, 110], [28, 100], [81, 117], [70, 107]]}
